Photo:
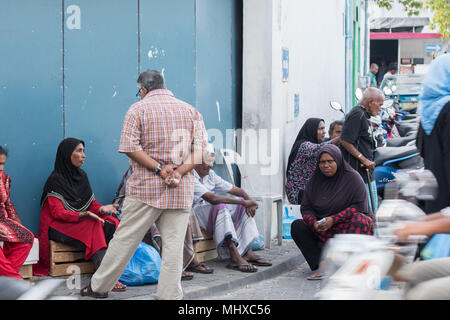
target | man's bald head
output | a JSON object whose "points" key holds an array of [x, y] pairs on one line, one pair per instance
{"points": [[372, 100]]}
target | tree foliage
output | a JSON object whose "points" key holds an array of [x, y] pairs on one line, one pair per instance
{"points": [[440, 8]]}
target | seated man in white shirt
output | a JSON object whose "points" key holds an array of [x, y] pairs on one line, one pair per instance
{"points": [[229, 219]]}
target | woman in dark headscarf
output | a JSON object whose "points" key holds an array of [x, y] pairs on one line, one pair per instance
{"points": [[337, 194], [434, 132], [303, 157], [70, 214]]}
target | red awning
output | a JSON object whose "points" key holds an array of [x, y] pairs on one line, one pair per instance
{"points": [[403, 35]]}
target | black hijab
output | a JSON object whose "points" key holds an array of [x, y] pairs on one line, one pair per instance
{"points": [[66, 182], [325, 196], [307, 133]]}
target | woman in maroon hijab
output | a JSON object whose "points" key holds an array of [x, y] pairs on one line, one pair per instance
{"points": [[335, 195]]}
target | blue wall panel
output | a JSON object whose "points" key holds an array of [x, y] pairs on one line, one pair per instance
{"points": [[30, 98], [68, 68], [168, 43], [100, 80], [213, 44]]}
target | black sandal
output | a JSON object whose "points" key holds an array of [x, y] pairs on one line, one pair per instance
{"points": [[185, 276], [193, 268], [87, 292]]}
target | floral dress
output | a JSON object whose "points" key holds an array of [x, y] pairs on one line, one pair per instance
{"points": [[15, 232], [302, 169]]}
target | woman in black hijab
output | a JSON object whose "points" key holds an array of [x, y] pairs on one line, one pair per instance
{"points": [[70, 214], [303, 157], [337, 194]]}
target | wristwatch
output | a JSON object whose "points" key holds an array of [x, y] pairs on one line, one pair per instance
{"points": [[158, 168]]}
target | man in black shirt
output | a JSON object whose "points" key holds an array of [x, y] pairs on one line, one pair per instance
{"points": [[358, 143]]}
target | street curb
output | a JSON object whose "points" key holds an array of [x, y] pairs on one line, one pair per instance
{"points": [[262, 274]]}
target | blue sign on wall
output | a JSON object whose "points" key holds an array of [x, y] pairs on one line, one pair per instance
{"points": [[285, 64], [296, 105], [433, 47]]}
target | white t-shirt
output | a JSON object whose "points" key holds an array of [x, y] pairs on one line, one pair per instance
{"points": [[210, 183], [446, 211]]}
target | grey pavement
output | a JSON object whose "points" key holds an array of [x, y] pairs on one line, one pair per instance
{"points": [[291, 285], [286, 259]]}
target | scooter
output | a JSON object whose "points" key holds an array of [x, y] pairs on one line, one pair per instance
{"points": [[363, 266], [389, 160], [15, 289], [397, 123]]}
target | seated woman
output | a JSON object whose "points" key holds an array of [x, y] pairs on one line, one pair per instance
{"points": [[303, 157], [70, 214], [337, 194], [17, 240]]}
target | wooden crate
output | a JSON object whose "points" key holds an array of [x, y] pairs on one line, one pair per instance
{"points": [[26, 271], [205, 250], [64, 258]]}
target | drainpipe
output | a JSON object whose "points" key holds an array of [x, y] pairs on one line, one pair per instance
{"points": [[348, 54], [366, 38]]}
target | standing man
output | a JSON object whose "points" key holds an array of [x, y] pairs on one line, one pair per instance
{"points": [[357, 139], [392, 69], [372, 74], [158, 135]]}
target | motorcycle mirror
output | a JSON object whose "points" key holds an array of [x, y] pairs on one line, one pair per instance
{"points": [[358, 94], [336, 106], [387, 91]]}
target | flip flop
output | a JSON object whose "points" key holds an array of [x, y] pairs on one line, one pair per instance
{"points": [[259, 263], [186, 276], [323, 275], [87, 292], [238, 267], [205, 270], [119, 287]]}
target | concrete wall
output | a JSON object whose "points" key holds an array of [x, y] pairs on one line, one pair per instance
{"points": [[415, 48], [313, 31]]}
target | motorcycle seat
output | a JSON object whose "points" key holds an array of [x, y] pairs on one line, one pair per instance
{"points": [[398, 142], [384, 154]]}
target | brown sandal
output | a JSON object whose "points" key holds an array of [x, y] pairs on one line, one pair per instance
{"points": [[119, 287]]}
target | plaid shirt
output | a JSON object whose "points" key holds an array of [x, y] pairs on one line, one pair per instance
{"points": [[166, 129]]}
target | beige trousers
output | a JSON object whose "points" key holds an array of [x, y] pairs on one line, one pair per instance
{"points": [[136, 219], [430, 279]]}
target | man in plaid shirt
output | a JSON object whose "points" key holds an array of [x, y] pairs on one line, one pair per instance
{"points": [[164, 138]]}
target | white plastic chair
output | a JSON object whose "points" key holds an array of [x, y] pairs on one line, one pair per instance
{"points": [[231, 157]]}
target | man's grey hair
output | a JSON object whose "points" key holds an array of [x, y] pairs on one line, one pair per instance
{"points": [[151, 80], [372, 93]]}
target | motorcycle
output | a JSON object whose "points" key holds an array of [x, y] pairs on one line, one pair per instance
{"points": [[15, 289], [362, 266]]}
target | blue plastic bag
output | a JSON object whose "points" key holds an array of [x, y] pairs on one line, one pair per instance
{"points": [[437, 247], [258, 244], [143, 268], [287, 221]]}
